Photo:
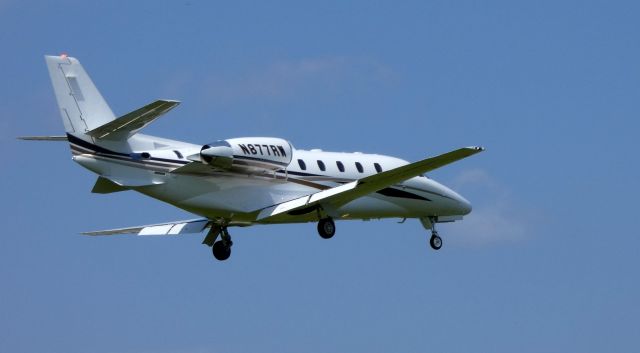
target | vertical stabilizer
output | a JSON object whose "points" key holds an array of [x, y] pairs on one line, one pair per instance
{"points": [[81, 104]]}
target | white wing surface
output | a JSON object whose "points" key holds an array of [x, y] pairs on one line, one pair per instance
{"points": [[335, 197], [171, 228]]}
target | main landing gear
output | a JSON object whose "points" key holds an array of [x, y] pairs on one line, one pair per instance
{"points": [[221, 249], [429, 223], [326, 228]]}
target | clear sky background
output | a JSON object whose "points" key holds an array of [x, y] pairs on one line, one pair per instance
{"points": [[547, 262]]}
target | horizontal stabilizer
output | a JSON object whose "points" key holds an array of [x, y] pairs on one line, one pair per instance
{"points": [[335, 197], [171, 228], [43, 138], [129, 124]]}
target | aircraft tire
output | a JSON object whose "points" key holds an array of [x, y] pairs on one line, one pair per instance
{"points": [[326, 228], [221, 251], [435, 242]]}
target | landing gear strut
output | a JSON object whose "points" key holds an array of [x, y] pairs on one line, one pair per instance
{"points": [[222, 248], [435, 241], [326, 228]]}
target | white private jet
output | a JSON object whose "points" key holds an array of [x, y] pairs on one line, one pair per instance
{"points": [[241, 181]]}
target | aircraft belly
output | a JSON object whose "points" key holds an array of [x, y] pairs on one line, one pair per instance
{"points": [[368, 207], [225, 196], [381, 207]]}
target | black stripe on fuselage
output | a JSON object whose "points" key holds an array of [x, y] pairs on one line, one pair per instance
{"points": [[101, 150], [388, 191], [391, 192], [90, 146]]}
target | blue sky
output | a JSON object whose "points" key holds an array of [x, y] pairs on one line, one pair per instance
{"points": [[547, 261]]}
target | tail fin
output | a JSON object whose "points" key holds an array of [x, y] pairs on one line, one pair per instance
{"points": [[81, 104]]}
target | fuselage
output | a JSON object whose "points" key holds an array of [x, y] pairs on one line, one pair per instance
{"points": [[238, 193]]}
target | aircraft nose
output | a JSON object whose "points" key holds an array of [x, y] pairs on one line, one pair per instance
{"points": [[463, 205], [456, 204]]}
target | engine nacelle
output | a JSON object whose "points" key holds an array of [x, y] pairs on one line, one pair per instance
{"points": [[253, 153]]}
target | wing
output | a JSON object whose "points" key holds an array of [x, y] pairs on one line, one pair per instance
{"points": [[335, 197], [172, 228], [130, 123]]}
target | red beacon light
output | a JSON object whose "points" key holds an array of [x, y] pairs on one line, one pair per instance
{"points": [[63, 55]]}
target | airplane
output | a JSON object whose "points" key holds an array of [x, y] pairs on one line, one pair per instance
{"points": [[245, 181]]}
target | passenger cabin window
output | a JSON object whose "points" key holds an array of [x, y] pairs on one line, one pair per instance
{"points": [[302, 165], [359, 167], [321, 165], [340, 166], [378, 167], [178, 153]]}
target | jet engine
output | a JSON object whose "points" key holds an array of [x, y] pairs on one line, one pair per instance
{"points": [[248, 153], [218, 154]]}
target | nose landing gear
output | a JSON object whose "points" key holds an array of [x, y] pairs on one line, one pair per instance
{"points": [[435, 241], [430, 223]]}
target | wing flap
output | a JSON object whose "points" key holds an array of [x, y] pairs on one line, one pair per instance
{"points": [[130, 123], [171, 228], [335, 197]]}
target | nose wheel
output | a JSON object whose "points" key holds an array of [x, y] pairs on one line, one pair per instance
{"points": [[435, 241], [430, 223]]}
